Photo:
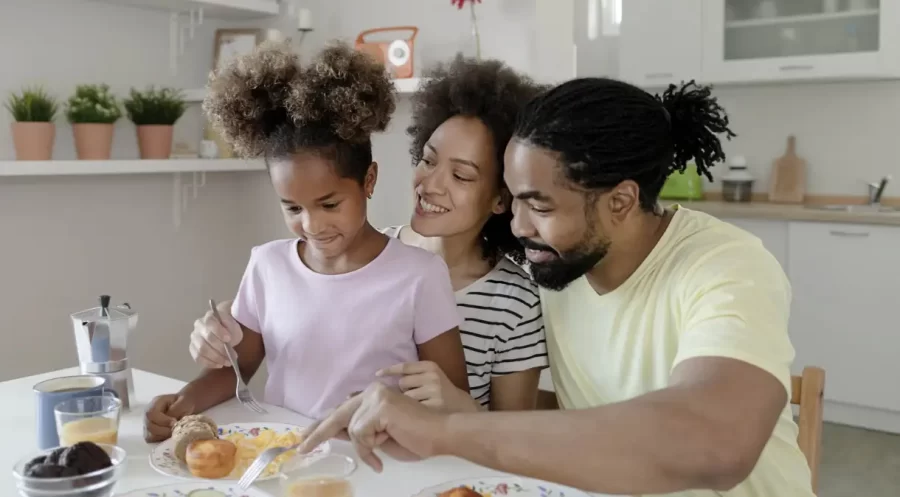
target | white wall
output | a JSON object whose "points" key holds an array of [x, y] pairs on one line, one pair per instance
{"points": [[845, 131], [65, 240], [60, 43], [508, 32]]}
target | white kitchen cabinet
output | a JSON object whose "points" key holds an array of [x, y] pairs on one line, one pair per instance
{"points": [[773, 234], [846, 286], [660, 42], [785, 40]]}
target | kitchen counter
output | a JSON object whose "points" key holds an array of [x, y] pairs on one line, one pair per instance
{"points": [[785, 212]]}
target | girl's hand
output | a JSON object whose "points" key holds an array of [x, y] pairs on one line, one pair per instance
{"points": [[162, 414], [426, 382], [210, 336]]}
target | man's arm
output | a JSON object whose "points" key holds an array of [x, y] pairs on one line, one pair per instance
{"points": [[215, 386], [706, 431]]}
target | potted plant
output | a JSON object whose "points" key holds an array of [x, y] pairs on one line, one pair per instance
{"points": [[93, 110], [154, 112], [33, 131]]}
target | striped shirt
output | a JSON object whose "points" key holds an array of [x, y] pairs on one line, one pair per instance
{"points": [[502, 329]]}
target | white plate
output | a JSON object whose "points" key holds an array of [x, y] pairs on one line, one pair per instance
{"points": [[500, 486], [162, 457], [184, 490]]}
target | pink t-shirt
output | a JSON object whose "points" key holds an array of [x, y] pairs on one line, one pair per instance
{"points": [[326, 335]]}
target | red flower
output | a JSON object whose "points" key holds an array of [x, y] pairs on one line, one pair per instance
{"points": [[459, 4], [501, 489]]}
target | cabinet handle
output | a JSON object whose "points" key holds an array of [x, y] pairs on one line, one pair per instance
{"points": [[659, 75], [849, 234], [797, 67]]}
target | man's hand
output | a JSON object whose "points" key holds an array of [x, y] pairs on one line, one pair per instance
{"points": [[162, 414], [426, 382], [381, 417]]}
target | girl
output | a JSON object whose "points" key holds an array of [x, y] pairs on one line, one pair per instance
{"points": [[330, 308], [462, 120]]}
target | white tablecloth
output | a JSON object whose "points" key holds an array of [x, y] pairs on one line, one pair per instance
{"points": [[20, 439]]}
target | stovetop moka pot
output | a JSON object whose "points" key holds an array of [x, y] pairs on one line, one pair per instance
{"points": [[101, 339]]}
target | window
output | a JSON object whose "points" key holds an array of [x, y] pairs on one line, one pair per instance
{"points": [[607, 12]]}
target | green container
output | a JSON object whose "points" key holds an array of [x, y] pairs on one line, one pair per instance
{"points": [[683, 186]]}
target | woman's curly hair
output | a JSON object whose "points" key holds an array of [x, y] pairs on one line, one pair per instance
{"points": [[266, 105], [492, 92]]}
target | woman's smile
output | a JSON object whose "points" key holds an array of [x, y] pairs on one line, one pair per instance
{"points": [[425, 208]]}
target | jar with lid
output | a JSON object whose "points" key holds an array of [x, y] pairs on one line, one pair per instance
{"points": [[737, 184]]}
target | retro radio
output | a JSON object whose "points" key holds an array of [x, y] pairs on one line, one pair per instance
{"points": [[396, 53]]}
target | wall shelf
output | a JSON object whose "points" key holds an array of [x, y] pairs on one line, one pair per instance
{"points": [[232, 10], [116, 167], [403, 86]]}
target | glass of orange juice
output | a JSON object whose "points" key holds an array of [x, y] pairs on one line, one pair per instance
{"points": [[88, 419], [317, 476]]}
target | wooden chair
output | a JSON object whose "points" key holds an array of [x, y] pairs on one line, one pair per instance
{"points": [[807, 391]]}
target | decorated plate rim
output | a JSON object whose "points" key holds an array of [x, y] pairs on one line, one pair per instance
{"points": [[540, 485], [323, 449], [187, 487]]}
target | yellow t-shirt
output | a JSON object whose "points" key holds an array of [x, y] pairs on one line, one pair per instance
{"points": [[706, 289]]}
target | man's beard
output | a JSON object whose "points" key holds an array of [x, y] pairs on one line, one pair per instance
{"points": [[568, 266]]}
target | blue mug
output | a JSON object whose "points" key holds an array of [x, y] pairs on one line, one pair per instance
{"points": [[49, 393]]}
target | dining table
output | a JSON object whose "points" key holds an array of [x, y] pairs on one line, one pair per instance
{"points": [[398, 479]]}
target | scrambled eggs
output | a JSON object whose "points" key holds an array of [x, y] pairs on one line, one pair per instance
{"points": [[248, 448]]}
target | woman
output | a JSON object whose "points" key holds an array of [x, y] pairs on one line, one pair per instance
{"points": [[462, 119]]}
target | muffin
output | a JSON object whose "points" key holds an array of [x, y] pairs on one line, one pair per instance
{"points": [[211, 459], [191, 429]]}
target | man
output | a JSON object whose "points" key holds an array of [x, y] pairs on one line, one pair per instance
{"points": [[667, 329]]}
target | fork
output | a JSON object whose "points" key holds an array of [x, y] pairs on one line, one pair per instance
{"points": [[241, 391], [262, 460]]}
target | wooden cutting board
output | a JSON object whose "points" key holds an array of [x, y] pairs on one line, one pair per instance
{"points": [[788, 182]]}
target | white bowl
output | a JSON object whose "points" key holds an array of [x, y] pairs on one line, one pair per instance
{"points": [[100, 483]]}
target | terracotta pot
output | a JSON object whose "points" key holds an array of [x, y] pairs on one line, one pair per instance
{"points": [[33, 141], [155, 141], [93, 141]]}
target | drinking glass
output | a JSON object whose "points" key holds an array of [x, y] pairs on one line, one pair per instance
{"points": [[88, 419], [317, 476]]}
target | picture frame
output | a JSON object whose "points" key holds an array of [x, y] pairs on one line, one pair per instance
{"points": [[231, 43]]}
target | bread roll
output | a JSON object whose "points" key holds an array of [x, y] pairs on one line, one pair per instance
{"points": [[197, 418], [190, 429], [211, 459], [189, 435]]}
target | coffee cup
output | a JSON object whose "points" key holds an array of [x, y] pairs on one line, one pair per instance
{"points": [[49, 393]]}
